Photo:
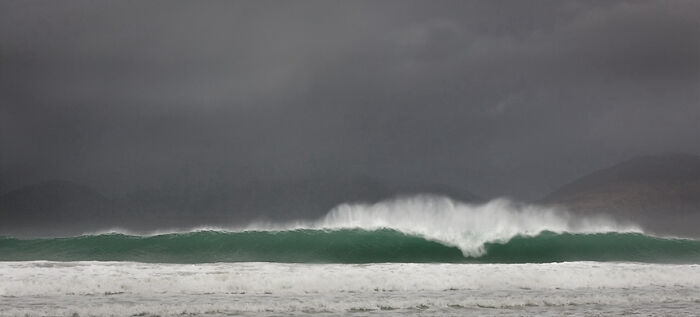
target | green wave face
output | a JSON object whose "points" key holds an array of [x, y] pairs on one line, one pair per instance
{"points": [[346, 246], [630, 247]]}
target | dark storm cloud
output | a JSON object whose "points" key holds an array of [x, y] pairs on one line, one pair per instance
{"points": [[505, 98]]}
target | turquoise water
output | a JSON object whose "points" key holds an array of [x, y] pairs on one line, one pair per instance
{"points": [[347, 246]]}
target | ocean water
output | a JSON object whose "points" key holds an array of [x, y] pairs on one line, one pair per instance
{"points": [[418, 256]]}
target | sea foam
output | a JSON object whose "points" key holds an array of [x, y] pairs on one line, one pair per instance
{"points": [[554, 289], [466, 226]]}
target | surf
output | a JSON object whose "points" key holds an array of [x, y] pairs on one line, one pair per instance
{"points": [[347, 246], [414, 229]]}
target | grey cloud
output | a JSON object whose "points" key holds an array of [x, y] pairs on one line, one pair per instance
{"points": [[505, 98]]}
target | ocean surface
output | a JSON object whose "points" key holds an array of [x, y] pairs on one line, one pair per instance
{"points": [[416, 256]]}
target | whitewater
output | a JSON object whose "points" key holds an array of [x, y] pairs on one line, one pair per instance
{"points": [[421, 255], [466, 226]]}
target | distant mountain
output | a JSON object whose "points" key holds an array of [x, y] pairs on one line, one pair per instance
{"points": [[49, 206], [661, 193], [67, 208], [278, 201]]}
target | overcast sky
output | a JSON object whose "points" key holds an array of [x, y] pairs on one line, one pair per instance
{"points": [[507, 98]]}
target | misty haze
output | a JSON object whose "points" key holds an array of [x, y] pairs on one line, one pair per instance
{"points": [[266, 158]]}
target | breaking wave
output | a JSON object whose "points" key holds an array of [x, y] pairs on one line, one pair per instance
{"points": [[413, 229]]}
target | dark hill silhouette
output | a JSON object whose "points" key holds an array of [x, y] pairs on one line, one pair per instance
{"points": [[66, 208], [660, 192], [299, 199], [47, 207]]}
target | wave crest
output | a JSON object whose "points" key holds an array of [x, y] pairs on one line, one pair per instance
{"points": [[466, 226]]}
